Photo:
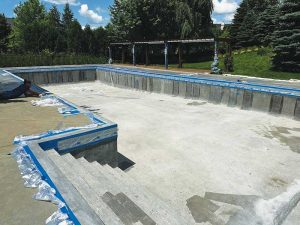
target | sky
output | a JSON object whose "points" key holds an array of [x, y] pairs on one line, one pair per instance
{"points": [[96, 12]]}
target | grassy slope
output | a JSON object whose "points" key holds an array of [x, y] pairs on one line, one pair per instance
{"points": [[249, 64]]}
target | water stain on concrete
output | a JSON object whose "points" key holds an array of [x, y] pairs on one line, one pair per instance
{"points": [[202, 209], [285, 135], [196, 103], [277, 182]]}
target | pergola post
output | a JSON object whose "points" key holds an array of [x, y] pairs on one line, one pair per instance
{"points": [[123, 54], [109, 55], [133, 55], [147, 54], [166, 55], [180, 55]]}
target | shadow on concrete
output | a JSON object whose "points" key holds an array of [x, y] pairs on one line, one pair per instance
{"points": [[11, 101], [124, 163]]}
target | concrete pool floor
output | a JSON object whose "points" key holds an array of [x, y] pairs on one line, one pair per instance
{"points": [[19, 117], [184, 147]]}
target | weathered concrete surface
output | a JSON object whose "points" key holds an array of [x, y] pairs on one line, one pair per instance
{"points": [[17, 205], [19, 117], [184, 148]]}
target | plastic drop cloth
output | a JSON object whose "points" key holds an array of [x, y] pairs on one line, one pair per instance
{"points": [[49, 133], [33, 179], [46, 100]]}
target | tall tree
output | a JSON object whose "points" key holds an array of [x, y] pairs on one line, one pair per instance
{"points": [[88, 40], [286, 42], [75, 38], [101, 40], [143, 20], [29, 27], [245, 20], [265, 25], [54, 30], [4, 33], [194, 18], [68, 26]]}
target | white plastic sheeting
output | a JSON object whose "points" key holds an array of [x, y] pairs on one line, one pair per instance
{"points": [[274, 211], [46, 101], [33, 179], [49, 133]]}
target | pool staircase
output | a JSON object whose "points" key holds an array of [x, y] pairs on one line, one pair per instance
{"points": [[100, 194]]}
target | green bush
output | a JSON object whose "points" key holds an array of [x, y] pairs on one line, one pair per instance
{"points": [[46, 59]]}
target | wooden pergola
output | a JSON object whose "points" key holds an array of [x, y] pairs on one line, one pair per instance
{"points": [[166, 43]]}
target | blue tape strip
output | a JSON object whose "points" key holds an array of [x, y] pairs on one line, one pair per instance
{"points": [[51, 69], [53, 143], [46, 177]]}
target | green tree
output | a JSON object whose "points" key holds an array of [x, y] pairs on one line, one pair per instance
{"points": [[265, 25], [194, 18], [142, 20], [75, 38], [245, 20], [68, 26], [29, 27], [101, 40], [54, 32], [88, 40], [286, 42], [4, 33]]}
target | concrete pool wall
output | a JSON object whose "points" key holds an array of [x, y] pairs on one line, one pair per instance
{"points": [[277, 100]]}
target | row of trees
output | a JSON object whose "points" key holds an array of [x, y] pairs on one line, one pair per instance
{"points": [[272, 23], [155, 19], [256, 23], [37, 30]]}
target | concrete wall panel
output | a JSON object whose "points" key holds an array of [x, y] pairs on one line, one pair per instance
{"points": [[204, 91], [239, 98], [247, 100], [189, 90], [232, 97], [175, 88], [196, 90], [167, 87], [75, 75], [138, 82], [182, 89], [288, 106], [225, 97], [156, 85], [261, 101], [144, 83], [150, 84], [276, 104], [90, 75], [216, 94]]}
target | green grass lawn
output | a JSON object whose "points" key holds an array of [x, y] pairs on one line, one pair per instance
{"points": [[249, 63]]}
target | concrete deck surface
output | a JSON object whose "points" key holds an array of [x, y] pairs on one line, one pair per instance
{"points": [[19, 117], [184, 147]]}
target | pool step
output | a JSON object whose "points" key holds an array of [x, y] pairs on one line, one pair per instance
{"points": [[79, 206], [78, 176], [116, 198]]}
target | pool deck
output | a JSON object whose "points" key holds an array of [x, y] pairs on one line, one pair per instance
{"points": [[20, 117]]}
